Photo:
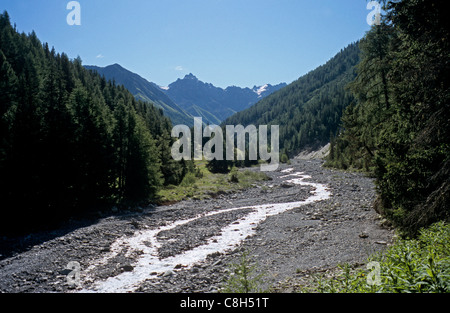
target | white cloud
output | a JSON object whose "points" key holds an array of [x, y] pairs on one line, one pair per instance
{"points": [[179, 68], [100, 56]]}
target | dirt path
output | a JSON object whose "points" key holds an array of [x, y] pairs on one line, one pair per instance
{"points": [[290, 224]]}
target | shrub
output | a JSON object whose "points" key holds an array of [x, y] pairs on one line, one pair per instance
{"points": [[419, 265], [243, 277], [188, 180]]}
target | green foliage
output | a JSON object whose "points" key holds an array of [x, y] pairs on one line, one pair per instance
{"points": [[188, 180], [70, 141], [234, 175], [398, 128], [419, 265], [308, 109], [243, 277], [200, 183], [284, 158], [220, 166]]}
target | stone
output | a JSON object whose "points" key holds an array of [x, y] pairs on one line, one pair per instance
{"points": [[127, 268], [168, 273]]}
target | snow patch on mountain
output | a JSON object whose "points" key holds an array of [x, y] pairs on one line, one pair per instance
{"points": [[260, 90]]}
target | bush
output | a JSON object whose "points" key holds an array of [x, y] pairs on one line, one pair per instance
{"points": [[421, 265], [188, 180], [243, 277], [234, 178]]}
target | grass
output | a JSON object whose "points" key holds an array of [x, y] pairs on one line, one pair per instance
{"points": [[202, 184], [243, 277], [419, 265]]}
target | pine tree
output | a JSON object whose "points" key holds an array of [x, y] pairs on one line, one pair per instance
{"points": [[143, 176], [71, 141], [8, 104], [399, 125], [172, 171], [92, 142]]}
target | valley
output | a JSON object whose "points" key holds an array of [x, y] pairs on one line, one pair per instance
{"points": [[99, 196], [189, 97], [312, 219]]}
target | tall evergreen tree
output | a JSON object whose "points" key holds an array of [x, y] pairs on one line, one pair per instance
{"points": [[400, 123], [308, 109], [71, 141]]}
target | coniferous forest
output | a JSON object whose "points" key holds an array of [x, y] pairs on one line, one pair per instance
{"points": [[383, 104], [82, 160], [70, 140], [309, 109], [398, 129]]}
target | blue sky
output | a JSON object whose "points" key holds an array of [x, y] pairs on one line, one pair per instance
{"points": [[223, 42]]}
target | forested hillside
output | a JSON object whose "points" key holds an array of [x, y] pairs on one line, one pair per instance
{"points": [[145, 91], [399, 126], [70, 141], [309, 109]]}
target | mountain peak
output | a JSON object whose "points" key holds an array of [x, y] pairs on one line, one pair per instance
{"points": [[261, 89], [190, 76], [115, 65]]}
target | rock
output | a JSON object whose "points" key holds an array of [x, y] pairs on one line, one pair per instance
{"points": [[214, 254], [114, 209], [385, 223], [217, 263], [280, 244], [105, 249], [65, 271], [135, 224], [168, 273], [127, 268]]}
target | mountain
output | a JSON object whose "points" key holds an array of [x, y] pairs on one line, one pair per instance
{"points": [[309, 109], [144, 90], [71, 142], [212, 103], [188, 97]]}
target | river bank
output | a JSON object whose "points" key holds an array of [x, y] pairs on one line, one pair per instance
{"points": [[318, 235]]}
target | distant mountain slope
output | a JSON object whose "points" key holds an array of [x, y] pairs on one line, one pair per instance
{"points": [[309, 109], [212, 103], [144, 90]]}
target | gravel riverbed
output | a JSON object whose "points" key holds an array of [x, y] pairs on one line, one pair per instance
{"points": [[313, 237]]}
